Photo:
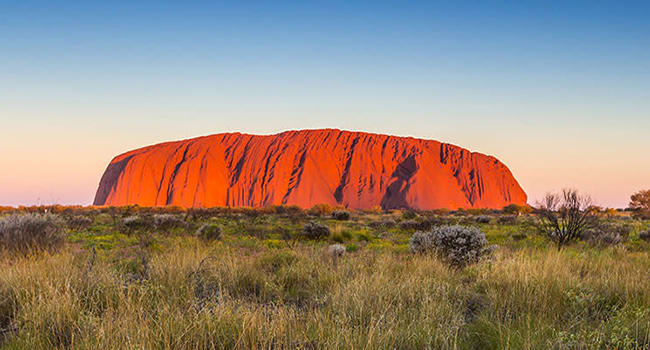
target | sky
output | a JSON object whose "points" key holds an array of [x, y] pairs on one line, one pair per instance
{"points": [[558, 91]]}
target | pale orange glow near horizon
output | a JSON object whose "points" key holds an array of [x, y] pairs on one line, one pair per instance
{"points": [[61, 163]]}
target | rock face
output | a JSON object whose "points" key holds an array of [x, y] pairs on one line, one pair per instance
{"points": [[304, 168]]}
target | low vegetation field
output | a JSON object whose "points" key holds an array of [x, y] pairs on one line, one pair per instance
{"points": [[285, 278]]}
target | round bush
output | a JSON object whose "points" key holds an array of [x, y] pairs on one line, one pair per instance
{"points": [[315, 231], [341, 215], [209, 232], [457, 245]]}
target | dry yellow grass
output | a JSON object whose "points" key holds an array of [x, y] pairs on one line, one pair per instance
{"points": [[197, 296]]}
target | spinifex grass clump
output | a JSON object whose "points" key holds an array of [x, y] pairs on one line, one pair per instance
{"points": [[31, 232], [457, 245]]}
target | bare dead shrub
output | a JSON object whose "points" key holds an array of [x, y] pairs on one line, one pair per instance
{"points": [[563, 218]]}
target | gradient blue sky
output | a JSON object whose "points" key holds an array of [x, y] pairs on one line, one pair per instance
{"points": [[560, 92]]}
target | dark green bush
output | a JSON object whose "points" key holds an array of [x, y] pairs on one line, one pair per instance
{"points": [[409, 215]]}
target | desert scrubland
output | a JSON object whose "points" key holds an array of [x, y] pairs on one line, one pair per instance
{"points": [[287, 278]]}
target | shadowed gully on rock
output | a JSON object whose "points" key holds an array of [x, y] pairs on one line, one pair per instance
{"points": [[353, 169]]}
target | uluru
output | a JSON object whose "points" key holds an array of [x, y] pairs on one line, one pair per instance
{"points": [[356, 170]]}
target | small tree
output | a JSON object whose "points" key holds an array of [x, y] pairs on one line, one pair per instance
{"points": [[640, 203], [564, 217], [640, 200], [515, 209]]}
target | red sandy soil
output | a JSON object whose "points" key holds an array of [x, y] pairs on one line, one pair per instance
{"points": [[352, 169]]}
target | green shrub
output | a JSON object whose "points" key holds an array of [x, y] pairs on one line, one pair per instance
{"points": [[517, 209], [273, 261], [31, 232], [209, 232], [351, 247], [409, 215], [363, 236], [337, 237]]}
